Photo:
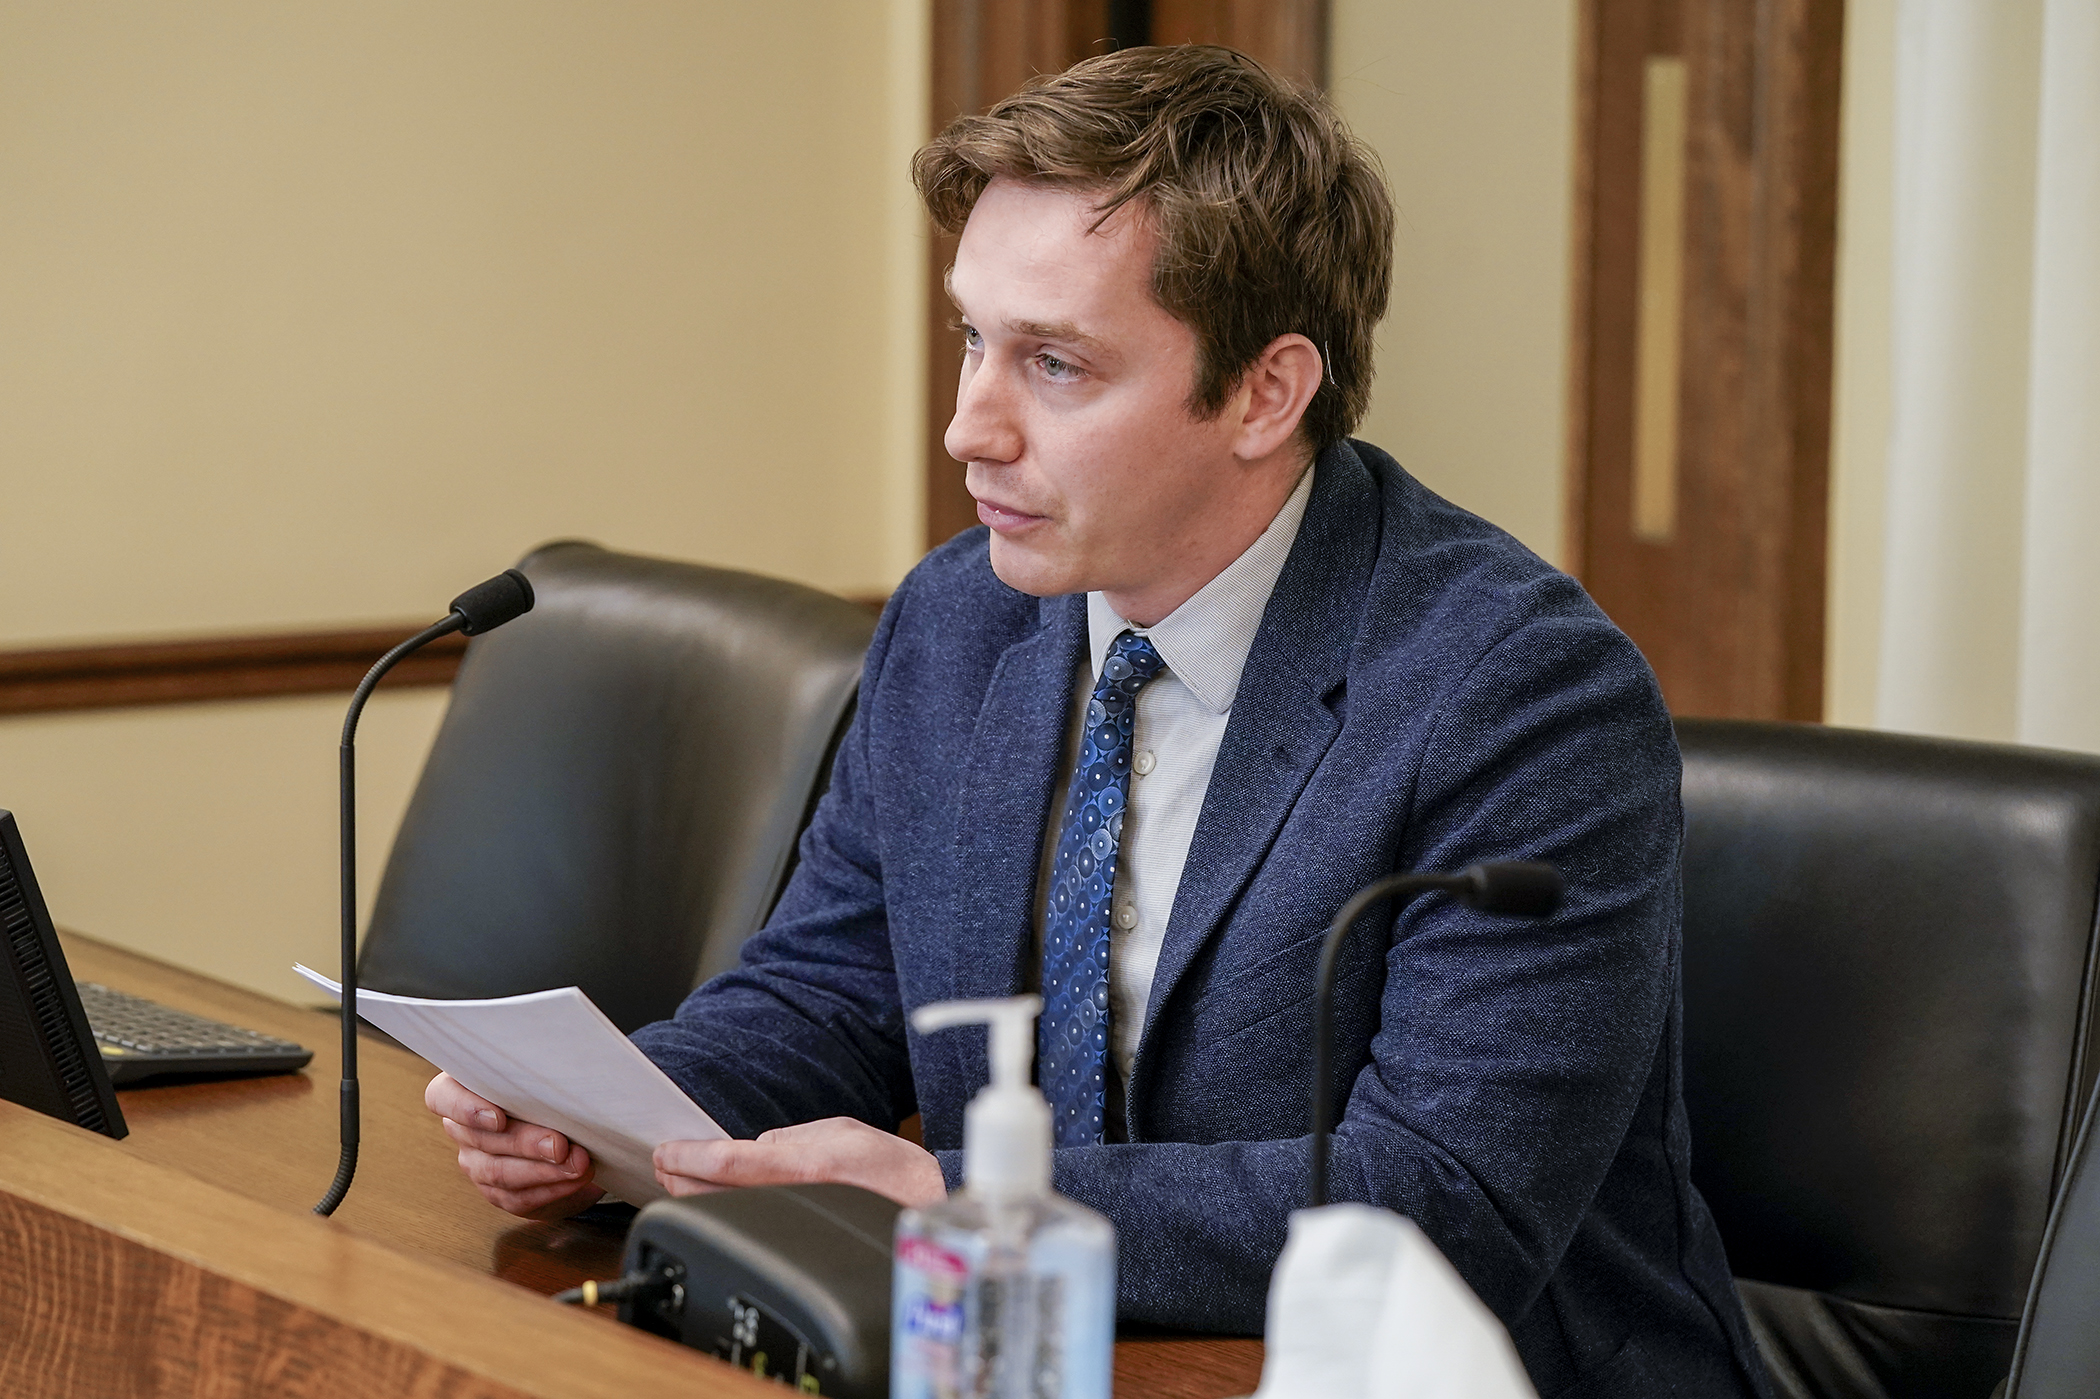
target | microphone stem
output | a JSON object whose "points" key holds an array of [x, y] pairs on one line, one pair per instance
{"points": [[1400, 888], [346, 1165]]}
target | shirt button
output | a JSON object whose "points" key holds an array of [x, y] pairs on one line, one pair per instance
{"points": [[1144, 763], [1126, 917]]}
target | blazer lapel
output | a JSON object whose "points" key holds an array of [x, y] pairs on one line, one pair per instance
{"points": [[1282, 720], [1010, 779]]}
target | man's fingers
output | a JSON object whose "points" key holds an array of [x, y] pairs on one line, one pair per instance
{"points": [[520, 1167], [546, 1201], [521, 1173], [696, 1160], [684, 1185], [525, 1139], [448, 1098], [723, 1163], [834, 1149], [509, 1172]]}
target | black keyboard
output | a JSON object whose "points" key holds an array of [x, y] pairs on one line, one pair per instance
{"points": [[144, 1039]]}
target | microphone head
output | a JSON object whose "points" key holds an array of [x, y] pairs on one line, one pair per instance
{"points": [[487, 606], [1521, 888]]}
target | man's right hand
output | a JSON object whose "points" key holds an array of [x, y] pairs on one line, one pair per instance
{"points": [[521, 1167]]}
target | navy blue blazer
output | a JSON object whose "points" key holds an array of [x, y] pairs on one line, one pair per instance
{"points": [[1423, 693]]}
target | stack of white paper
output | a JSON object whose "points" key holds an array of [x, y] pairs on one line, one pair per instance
{"points": [[550, 1057]]}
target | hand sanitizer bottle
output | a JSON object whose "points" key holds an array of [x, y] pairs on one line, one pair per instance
{"points": [[1005, 1290]]}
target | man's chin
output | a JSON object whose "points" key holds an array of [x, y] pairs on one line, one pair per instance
{"points": [[1025, 570]]}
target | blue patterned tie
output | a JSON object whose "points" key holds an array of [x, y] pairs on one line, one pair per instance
{"points": [[1074, 1036]]}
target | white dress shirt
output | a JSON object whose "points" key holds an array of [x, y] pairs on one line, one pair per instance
{"points": [[1181, 718]]}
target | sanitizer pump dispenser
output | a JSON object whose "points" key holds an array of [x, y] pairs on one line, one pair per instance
{"points": [[1005, 1289]]}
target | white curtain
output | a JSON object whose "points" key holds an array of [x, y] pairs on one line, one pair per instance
{"points": [[1990, 610]]}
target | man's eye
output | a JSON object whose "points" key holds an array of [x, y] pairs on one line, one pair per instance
{"points": [[972, 341], [1057, 368]]}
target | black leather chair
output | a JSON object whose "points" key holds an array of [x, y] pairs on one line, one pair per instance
{"points": [[1888, 957], [614, 798], [2059, 1351]]}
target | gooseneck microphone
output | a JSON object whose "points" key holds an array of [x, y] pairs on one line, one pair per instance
{"points": [[481, 608], [1522, 888]]}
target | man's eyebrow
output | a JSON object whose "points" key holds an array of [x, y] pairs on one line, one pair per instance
{"points": [[1035, 330], [1053, 330]]}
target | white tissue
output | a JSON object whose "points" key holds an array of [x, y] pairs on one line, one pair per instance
{"points": [[1363, 1306]]}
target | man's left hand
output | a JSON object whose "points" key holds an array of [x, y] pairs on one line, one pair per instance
{"points": [[835, 1149]]}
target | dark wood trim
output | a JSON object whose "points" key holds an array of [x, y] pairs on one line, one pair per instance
{"points": [[1730, 608], [215, 668], [246, 666], [1617, 38], [1583, 291], [1288, 37], [1800, 246]]}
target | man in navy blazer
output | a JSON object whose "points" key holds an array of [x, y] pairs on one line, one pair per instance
{"points": [[1418, 691]]}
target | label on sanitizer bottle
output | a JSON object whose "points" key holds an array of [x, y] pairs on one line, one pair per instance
{"points": [[927, 1330]]}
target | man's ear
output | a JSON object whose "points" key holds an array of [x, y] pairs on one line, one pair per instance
{"points": [[1276, 390]]}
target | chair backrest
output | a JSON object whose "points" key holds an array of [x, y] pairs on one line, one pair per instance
{"points": [[1888, 952], [2059, 1351], [614, 798]]}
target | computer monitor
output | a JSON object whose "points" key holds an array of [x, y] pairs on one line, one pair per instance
{"points": [[48, 1058]]}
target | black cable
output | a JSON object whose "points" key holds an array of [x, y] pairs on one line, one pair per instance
{"points": [[346, 1165], [1402, 887], [479, 610], [1520, 888], [617, 1290]]}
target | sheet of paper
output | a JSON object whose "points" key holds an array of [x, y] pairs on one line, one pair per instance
{"points": [[553, 1058]]}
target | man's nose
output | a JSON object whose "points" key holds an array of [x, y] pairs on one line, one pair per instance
{"points": [[985, 427]]}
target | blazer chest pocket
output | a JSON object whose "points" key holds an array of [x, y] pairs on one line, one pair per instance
{"points": [[1236, 1001], [1236, 1064]]}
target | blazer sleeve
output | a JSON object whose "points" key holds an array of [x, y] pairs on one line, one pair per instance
{"points": [[1509, 1057], [808, 1024]]}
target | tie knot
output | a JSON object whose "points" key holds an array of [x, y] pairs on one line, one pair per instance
{"points": [[1132, 660]]}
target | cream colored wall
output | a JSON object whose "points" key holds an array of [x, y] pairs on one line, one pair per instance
{"points": [[1471, 108], [1860, 403], [206, 834], [1965, 461], [316, 313]]}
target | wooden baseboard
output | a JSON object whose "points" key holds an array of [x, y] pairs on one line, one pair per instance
{"points": [[215, 668]]}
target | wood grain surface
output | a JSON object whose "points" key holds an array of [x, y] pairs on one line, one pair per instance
{"points": [[119, 1277], [1729, 609], [190, 1257]]}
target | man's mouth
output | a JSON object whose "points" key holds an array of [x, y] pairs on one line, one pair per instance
{"points": [[1004, 518]]}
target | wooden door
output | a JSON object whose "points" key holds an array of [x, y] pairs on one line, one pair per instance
{"points": [[985, 49], [1706, 220]]}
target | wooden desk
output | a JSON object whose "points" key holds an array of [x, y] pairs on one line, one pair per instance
{"points": [[184, 1260]]}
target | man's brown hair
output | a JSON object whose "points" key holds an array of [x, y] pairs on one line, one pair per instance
{"points": [[1271, 217]]}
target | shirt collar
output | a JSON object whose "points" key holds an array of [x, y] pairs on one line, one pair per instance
{"points": [[1205, 640]]}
